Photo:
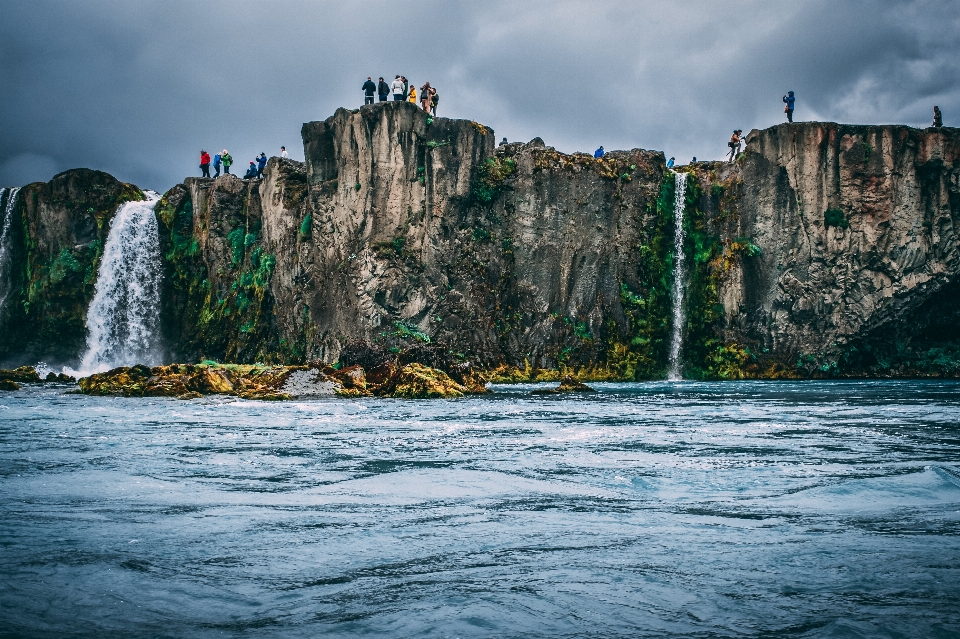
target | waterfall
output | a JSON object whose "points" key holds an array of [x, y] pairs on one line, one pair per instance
{"points": [[5, 242], [123, 320], [679, 278]]}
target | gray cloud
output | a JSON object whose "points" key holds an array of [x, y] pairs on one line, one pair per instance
{"points": [[136, 89]]}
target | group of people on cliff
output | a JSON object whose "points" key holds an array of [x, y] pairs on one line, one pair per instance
{"points": [[402, 91], [225, 160]]}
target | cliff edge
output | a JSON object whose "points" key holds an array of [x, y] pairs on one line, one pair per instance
{"points": [[823, 250]]}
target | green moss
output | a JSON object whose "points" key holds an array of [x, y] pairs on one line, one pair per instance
{"points": [[744, 246], [490, 178], [64, 265], [835, 217], [306, 227], [402, 330], [642, 353], [236, 239]]}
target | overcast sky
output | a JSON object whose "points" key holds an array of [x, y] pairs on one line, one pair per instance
{"points": [[136, 88]]}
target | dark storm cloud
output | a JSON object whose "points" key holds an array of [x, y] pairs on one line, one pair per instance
{"points": [[137, 88]]}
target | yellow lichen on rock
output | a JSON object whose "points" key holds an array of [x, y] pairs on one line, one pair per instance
{"points": [[416, 381]]}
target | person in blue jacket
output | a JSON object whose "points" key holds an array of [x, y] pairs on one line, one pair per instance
{"points": [[788, 100], [261, 163], [670, 163], [368, 90], [216, 165], [251, 172], [598, 153]]}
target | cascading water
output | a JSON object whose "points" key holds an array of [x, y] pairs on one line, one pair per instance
{"points": [[123, 320], [679, 277], [5, 241]]}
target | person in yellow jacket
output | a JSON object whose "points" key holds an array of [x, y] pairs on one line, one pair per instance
{"points": [[413, 95]]}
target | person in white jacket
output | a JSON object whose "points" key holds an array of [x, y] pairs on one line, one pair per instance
{"points": [[396, 87]]}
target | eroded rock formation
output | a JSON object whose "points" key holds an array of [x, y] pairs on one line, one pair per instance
{"points": [[824, 250], [857, 254]]}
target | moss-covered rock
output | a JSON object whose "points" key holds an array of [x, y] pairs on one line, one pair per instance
{"points": [[416, 381], [24, 374], [8, 385], [568, 384], [188, 381]]}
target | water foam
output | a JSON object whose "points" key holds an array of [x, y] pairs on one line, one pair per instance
{"points": [[679, 278], [123, 321]]}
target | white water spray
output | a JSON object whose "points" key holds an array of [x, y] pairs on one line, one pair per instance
{"points": [[5, 242], [123, 321], [679, 278]]}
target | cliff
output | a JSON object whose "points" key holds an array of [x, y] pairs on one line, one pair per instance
{"points": [[854, 230], [824, 250], [402, 227], [57, 234]]}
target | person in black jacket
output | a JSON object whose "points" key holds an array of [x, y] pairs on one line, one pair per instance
{"points": [[368, 88], [383, 89]]}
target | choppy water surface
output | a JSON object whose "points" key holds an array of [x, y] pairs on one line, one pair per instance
{"points": [[704, 510]]}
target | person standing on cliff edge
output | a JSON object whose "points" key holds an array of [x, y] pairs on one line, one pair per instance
{"points": [[227, 160], [368, 90], [383, 90], [734, 144], [216, 165], [397, 87], [261, 163], [283, 152], [204, 163], [425, 97], [937, 117], [788, 101]]}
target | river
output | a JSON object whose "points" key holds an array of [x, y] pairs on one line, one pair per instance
{"points": [[753, 509]]}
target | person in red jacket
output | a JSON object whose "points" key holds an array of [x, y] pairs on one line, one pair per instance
{"points": [[205, 163]]}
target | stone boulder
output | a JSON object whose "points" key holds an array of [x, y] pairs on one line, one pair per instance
{"points": [[416, 381], [567, 385], [24, 374]]}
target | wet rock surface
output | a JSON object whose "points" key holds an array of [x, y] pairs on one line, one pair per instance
{"points": [[567, 385], [189, 381], [24, 374]]}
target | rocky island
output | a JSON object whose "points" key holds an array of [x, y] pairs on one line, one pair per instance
{"points": [[419, 247]]}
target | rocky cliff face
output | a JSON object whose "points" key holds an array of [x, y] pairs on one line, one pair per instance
{"points": [[57, 235], [400, 226], [824, 250], [845, 249]]}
